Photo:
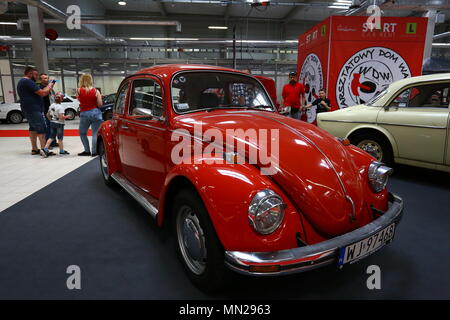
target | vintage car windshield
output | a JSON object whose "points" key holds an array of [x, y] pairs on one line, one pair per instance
{"points": [[373, 102], [193, 91]]}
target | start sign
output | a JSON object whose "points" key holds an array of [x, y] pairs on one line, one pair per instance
{"points": [[355, 62]]}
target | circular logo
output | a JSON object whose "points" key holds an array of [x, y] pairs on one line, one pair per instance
{"points": [[367, 73], [311, 76]]}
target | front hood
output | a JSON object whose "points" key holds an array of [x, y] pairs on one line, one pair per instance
{"points": [[312, 167]]}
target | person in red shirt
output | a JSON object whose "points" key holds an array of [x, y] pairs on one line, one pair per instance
{"points": [[293, 95]]}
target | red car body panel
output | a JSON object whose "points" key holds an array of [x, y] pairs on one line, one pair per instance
{"points": [[316, 172]]}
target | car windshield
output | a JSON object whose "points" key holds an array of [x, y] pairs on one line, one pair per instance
{"points": [[202, 90], [377, 97]]}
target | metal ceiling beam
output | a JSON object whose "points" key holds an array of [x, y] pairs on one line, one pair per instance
{"points": [[161, 8], [58, 14]]}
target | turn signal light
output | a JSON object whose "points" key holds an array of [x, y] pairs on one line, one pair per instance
{"points": [[345, 142], [264, 269]]}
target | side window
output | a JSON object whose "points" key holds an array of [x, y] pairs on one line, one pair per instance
{"points": [[119, 107], [426, 96], [67, 100], [147, 94]]}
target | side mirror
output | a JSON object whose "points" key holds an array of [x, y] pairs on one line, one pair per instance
{"points": [[386, 108]]}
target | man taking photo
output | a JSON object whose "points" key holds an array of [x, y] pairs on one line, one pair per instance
{"points": [[32, 107]]}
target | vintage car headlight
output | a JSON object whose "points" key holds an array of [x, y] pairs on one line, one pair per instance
{"points": [[266, 211], [378, 176]]}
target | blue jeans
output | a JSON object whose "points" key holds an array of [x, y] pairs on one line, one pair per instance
{"points": [[56, 130], [91, 118]]}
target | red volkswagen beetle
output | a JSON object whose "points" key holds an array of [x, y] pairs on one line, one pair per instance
{"points": [[203, 148]]}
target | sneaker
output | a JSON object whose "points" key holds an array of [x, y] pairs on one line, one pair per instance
{"points": [[35, 152], [84, 153], [63, 152], [43, 153], [94, 154]]}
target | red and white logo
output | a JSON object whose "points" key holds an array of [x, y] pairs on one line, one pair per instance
{"points": [[367, 73]]}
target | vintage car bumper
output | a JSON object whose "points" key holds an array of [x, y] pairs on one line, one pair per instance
{"points": [[313, 256]]}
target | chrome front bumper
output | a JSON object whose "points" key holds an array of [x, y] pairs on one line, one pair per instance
{"points": [[309, 257]]}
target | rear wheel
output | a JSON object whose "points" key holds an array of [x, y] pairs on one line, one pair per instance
{"points": [[15, 117], [109, 181], [198, 246], [376, 145], [71, 113]]}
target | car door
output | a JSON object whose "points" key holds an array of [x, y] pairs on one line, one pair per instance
{"points": [[417, 118], [143, 147]]}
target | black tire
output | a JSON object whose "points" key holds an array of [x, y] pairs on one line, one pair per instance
{"points": [[15, 117], [376, 144], [214, 274], [71, 113], [102, 156], [107, 115]]}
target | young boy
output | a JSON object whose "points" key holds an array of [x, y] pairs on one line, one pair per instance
{"points": [[56, 116]]}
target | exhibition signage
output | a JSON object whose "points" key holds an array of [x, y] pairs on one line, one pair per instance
{"points": [[354, 62]]}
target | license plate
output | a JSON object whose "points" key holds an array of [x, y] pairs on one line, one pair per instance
{"points": [[363, 248]]}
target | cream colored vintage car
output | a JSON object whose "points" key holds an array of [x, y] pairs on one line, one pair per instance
{"points": [[407, 122]]}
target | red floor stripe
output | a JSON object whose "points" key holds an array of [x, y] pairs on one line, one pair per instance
{"points": [[25, 133]]}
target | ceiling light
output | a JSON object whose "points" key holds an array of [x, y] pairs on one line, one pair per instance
{"points": [[9, 23], [165, 39], [218, 27], [122, 3]]}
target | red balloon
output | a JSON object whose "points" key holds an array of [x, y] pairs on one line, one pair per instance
{"points": [[51, 34]]}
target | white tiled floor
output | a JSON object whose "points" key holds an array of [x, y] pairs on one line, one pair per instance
{"points": [[22, 174]]}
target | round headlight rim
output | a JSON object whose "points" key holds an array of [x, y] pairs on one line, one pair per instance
{"points": [[255, 204], [373, 175]]}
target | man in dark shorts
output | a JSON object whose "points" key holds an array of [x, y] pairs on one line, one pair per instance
{"points": [[48, 100], [32, 106]]}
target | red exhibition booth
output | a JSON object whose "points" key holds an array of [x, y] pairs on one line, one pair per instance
{"points": [[354, 63]]}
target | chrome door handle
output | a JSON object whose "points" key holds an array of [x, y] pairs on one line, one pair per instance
{"points": [[124, 127]]}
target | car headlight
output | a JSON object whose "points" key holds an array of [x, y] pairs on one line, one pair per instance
{"points": [[378, 176], [266, 211]]}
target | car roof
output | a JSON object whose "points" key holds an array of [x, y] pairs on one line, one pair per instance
{"points": [[167, 70], [427, 78]]}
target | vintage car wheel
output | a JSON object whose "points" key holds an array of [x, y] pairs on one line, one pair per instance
{"points": [[375, 145], [104, 164], [198, 247], [15, 117]]}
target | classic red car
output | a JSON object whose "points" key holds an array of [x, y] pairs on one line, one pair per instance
{"points": [[203, 148]]}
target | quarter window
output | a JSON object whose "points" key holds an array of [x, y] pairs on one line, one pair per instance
{"points": [[119, 107]]}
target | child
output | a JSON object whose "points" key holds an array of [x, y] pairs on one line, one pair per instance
{"points": [[56, 116]]}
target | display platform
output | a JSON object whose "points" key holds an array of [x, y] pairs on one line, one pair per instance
{"points": [[77, 220]]}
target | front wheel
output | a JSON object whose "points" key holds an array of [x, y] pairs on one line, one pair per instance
{"points": [[198, 246], [109, 181]]}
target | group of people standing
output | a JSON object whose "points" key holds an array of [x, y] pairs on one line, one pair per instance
{"points": [[294, 97], [43, 109]]}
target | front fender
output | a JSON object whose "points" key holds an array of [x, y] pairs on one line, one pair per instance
{"points": [[226, 190], [379, 129], [105, 134]]}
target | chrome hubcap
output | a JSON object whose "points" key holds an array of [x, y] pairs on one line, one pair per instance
{"points": [[191, 240], [372, 148], [16, 118]]}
